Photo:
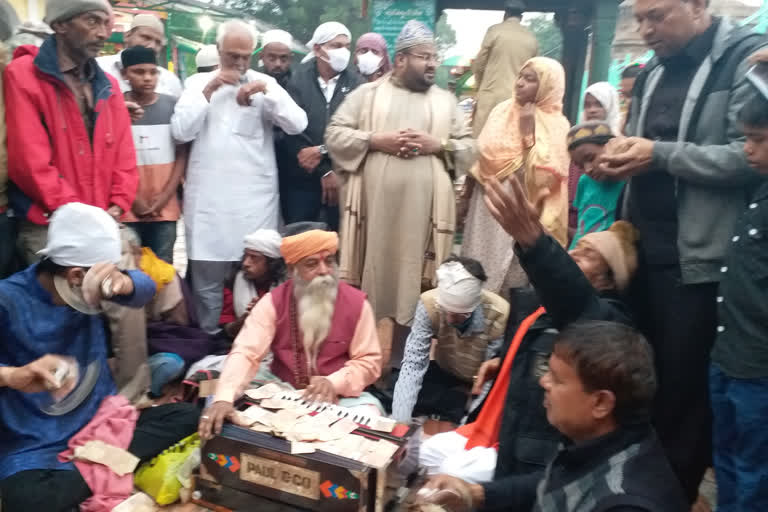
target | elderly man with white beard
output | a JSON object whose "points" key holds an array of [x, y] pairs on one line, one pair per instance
{"points": [[322, 333]]}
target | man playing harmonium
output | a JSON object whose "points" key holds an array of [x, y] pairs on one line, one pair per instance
{"points": [[321, 331]]}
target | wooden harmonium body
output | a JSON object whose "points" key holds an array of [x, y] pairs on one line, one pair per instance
{"points": [[247, 470]]}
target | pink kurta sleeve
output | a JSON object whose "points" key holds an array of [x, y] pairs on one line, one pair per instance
{"points": [[250, 347], [364, 365]]}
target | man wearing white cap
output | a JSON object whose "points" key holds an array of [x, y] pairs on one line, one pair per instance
{"points": [[51, 333], [231, 188], [148, 31], [468, 323], [261, 269], [276, 55], [207, 59], [308, 184]]}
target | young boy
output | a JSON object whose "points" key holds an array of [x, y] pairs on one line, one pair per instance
{"points": [[595, 201], [160, 160], [738, 375], [599, 387]]}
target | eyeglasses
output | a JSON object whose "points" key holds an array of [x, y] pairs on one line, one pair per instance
{"points": [[426, 57]]}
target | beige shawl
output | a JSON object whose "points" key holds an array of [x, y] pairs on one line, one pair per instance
{"points": [[353, 223]]}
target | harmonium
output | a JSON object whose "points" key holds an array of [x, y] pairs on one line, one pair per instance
{"points": [[281, 454]]}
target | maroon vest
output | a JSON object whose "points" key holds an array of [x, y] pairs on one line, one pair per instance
{"points": [[290, 363]]}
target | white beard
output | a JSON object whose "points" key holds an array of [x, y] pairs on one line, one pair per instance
{"points": [[316, 301]]}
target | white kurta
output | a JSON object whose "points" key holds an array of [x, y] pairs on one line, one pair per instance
{"points": [[167, 82], [231, 186]]}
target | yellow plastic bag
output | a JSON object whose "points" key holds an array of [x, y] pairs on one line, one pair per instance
{"points": [[159, 477]]}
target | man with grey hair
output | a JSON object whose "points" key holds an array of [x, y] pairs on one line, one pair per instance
{"points": [[231, 190], [148, 31]]}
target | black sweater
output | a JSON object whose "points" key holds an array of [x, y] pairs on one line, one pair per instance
{"points": [[296, 184]]}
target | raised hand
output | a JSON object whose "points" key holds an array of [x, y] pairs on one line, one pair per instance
{"points": [[513, 211]]}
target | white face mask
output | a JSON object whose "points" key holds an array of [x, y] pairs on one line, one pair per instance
{"points": [[338, 58], [368, 63]]}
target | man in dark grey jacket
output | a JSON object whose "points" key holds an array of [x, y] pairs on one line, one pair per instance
{"points": [[308, 186], [688, 181]]}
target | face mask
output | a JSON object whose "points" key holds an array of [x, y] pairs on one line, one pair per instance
{"points": [[338, 58], [368, 63]]}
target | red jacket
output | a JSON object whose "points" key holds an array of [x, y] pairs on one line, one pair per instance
{"points": [[51, 160]]}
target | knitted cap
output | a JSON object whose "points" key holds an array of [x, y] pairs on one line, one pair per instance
{"points": [[414, 33], [62, 10], [618, 246], [137, 55], [595, 132]]}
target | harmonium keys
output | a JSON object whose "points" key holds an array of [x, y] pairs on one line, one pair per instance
{"points": [[367, 421]]}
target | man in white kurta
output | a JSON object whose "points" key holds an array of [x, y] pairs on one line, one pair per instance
{"points": [[231, 186]]}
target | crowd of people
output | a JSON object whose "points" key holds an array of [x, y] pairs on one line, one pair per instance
{"points": [[596, 340]]}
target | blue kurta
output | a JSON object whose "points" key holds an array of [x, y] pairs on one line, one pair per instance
{"points": [[31, 326]]}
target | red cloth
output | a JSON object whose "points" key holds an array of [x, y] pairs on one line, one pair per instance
{"points": [[227, 308], [334, 351], [484, 431], [50, 155], [114, 424]]}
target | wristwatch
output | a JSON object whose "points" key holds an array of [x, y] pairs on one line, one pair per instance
{"points": [[323, 150]]}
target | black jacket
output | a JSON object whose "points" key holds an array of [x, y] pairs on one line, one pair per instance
{"points": [[527, 442], [623, 471], [300, 191]]}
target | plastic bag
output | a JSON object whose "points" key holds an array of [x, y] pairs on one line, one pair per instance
{"points": [[160, 477]]}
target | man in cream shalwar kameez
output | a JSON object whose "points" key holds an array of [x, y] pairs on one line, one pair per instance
{"points": [[395, 141], [231, 186]]}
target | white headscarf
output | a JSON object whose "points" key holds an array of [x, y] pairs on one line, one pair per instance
{"points": [[608, 97], [325, 33], [458, 291], [277, 36], [265, 241], [80, 235]]}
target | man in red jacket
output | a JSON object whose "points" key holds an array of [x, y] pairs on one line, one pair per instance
{"points": [[69, 132]]}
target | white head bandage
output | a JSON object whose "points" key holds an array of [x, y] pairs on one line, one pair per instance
{"points": [[458, 291], [324, 33], [80, 235]]}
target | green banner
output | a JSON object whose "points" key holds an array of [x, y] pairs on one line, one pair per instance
{"points": [[389, 16]]}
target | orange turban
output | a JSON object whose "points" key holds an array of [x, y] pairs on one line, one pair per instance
{"points": [[296, 248]]}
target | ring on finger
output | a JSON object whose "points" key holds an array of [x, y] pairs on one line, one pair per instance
{"points": [[205, 417]]}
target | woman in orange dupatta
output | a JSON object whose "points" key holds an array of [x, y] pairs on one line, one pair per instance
{"points": [[525, 139]]}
